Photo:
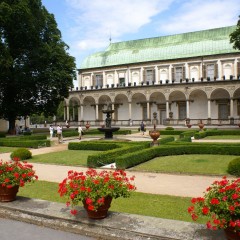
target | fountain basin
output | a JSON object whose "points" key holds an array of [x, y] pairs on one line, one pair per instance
{"points": [[108, 131]]}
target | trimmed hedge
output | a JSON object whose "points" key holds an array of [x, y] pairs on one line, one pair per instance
{"points": [[133, 159], [92, 146], [171, 132], [28, 137], [26, 143], [110, 156]]}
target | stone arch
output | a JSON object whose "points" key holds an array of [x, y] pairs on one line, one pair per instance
{"points": [[88, 108], [103, 101], [157, 107], [236, 103], [74, 104], [177, 105], [198, 104], [139, 103], [220, 106], [121, 107]]}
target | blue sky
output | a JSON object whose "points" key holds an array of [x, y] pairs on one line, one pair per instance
{"points": [[86, 25]]}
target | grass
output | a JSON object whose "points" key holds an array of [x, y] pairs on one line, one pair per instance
{"points": [[68, 157], [192, 163], [7, 149], [161, 206]]}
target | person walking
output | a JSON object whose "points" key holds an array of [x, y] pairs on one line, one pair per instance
{"points": [[142, 127], [51, 130], [80, 130], [59, 134]]}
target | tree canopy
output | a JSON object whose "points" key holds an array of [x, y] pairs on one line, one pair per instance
{"points": [[235, 36], [36, 70]]}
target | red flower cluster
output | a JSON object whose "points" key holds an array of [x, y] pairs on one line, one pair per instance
{"points": [[93, 187], [16, 173], [221, 202]]}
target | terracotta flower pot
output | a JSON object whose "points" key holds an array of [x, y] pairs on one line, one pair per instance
{"points": [[8, 194], [101, 212], [231, 235]]}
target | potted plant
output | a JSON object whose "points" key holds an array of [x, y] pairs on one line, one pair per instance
{"points": [[221, 203], [95, 190], [14, 174]]}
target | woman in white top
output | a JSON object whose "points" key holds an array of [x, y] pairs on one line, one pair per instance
{"points": [[59, 133], [80, 130], [51, 129]]}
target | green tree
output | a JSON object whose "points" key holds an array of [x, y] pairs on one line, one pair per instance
{"points": [[36, 70], [235, 36]]}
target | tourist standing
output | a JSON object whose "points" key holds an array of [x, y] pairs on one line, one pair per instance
{"points": [[142, 127], [80, 130], [51, 129], [59, 134]]}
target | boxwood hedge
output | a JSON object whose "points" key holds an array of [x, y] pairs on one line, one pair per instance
{"points": [[135, 158]]}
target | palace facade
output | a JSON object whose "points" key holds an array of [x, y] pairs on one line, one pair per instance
{"points": [[162, 80]]}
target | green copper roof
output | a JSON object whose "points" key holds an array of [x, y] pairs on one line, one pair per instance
{"points": [[200, 43]]}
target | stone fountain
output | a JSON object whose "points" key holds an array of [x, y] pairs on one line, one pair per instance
{"points": [[108, 129]]}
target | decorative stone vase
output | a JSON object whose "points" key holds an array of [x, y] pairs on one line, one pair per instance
{"points": [[87, 125], [201, 125], [154, 134], [231, 235], [8, 194], [101, 212], [189, 125]]}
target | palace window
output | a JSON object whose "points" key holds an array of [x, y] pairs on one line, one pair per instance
{"points": [[98, 81], [178, 73], [149, 75], [210, 70]]}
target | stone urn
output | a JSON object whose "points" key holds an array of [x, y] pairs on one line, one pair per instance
{"points": [[87, 125], [201, 125], [154, 134]]}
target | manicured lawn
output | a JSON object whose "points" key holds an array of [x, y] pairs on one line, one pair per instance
{"points": [[7, 149], [228, 137], [196, 164], [154, 205], [68, 157]]}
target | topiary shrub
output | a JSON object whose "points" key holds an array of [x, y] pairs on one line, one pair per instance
{"points": [[21, 153], [169, 128], [234, 167]]}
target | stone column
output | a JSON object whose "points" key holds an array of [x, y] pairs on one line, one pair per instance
{"points": [[113, 116], [130, 110], [67, 112], [187, 108], [81, 111], [167, 109], [148, 110], [209, 108], [231, 107], [96, 113]]}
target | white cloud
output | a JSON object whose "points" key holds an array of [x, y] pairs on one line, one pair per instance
{"points": [[96, 20], [198, 15]]}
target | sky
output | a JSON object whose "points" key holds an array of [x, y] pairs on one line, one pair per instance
{"points": [[88, 25]]}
